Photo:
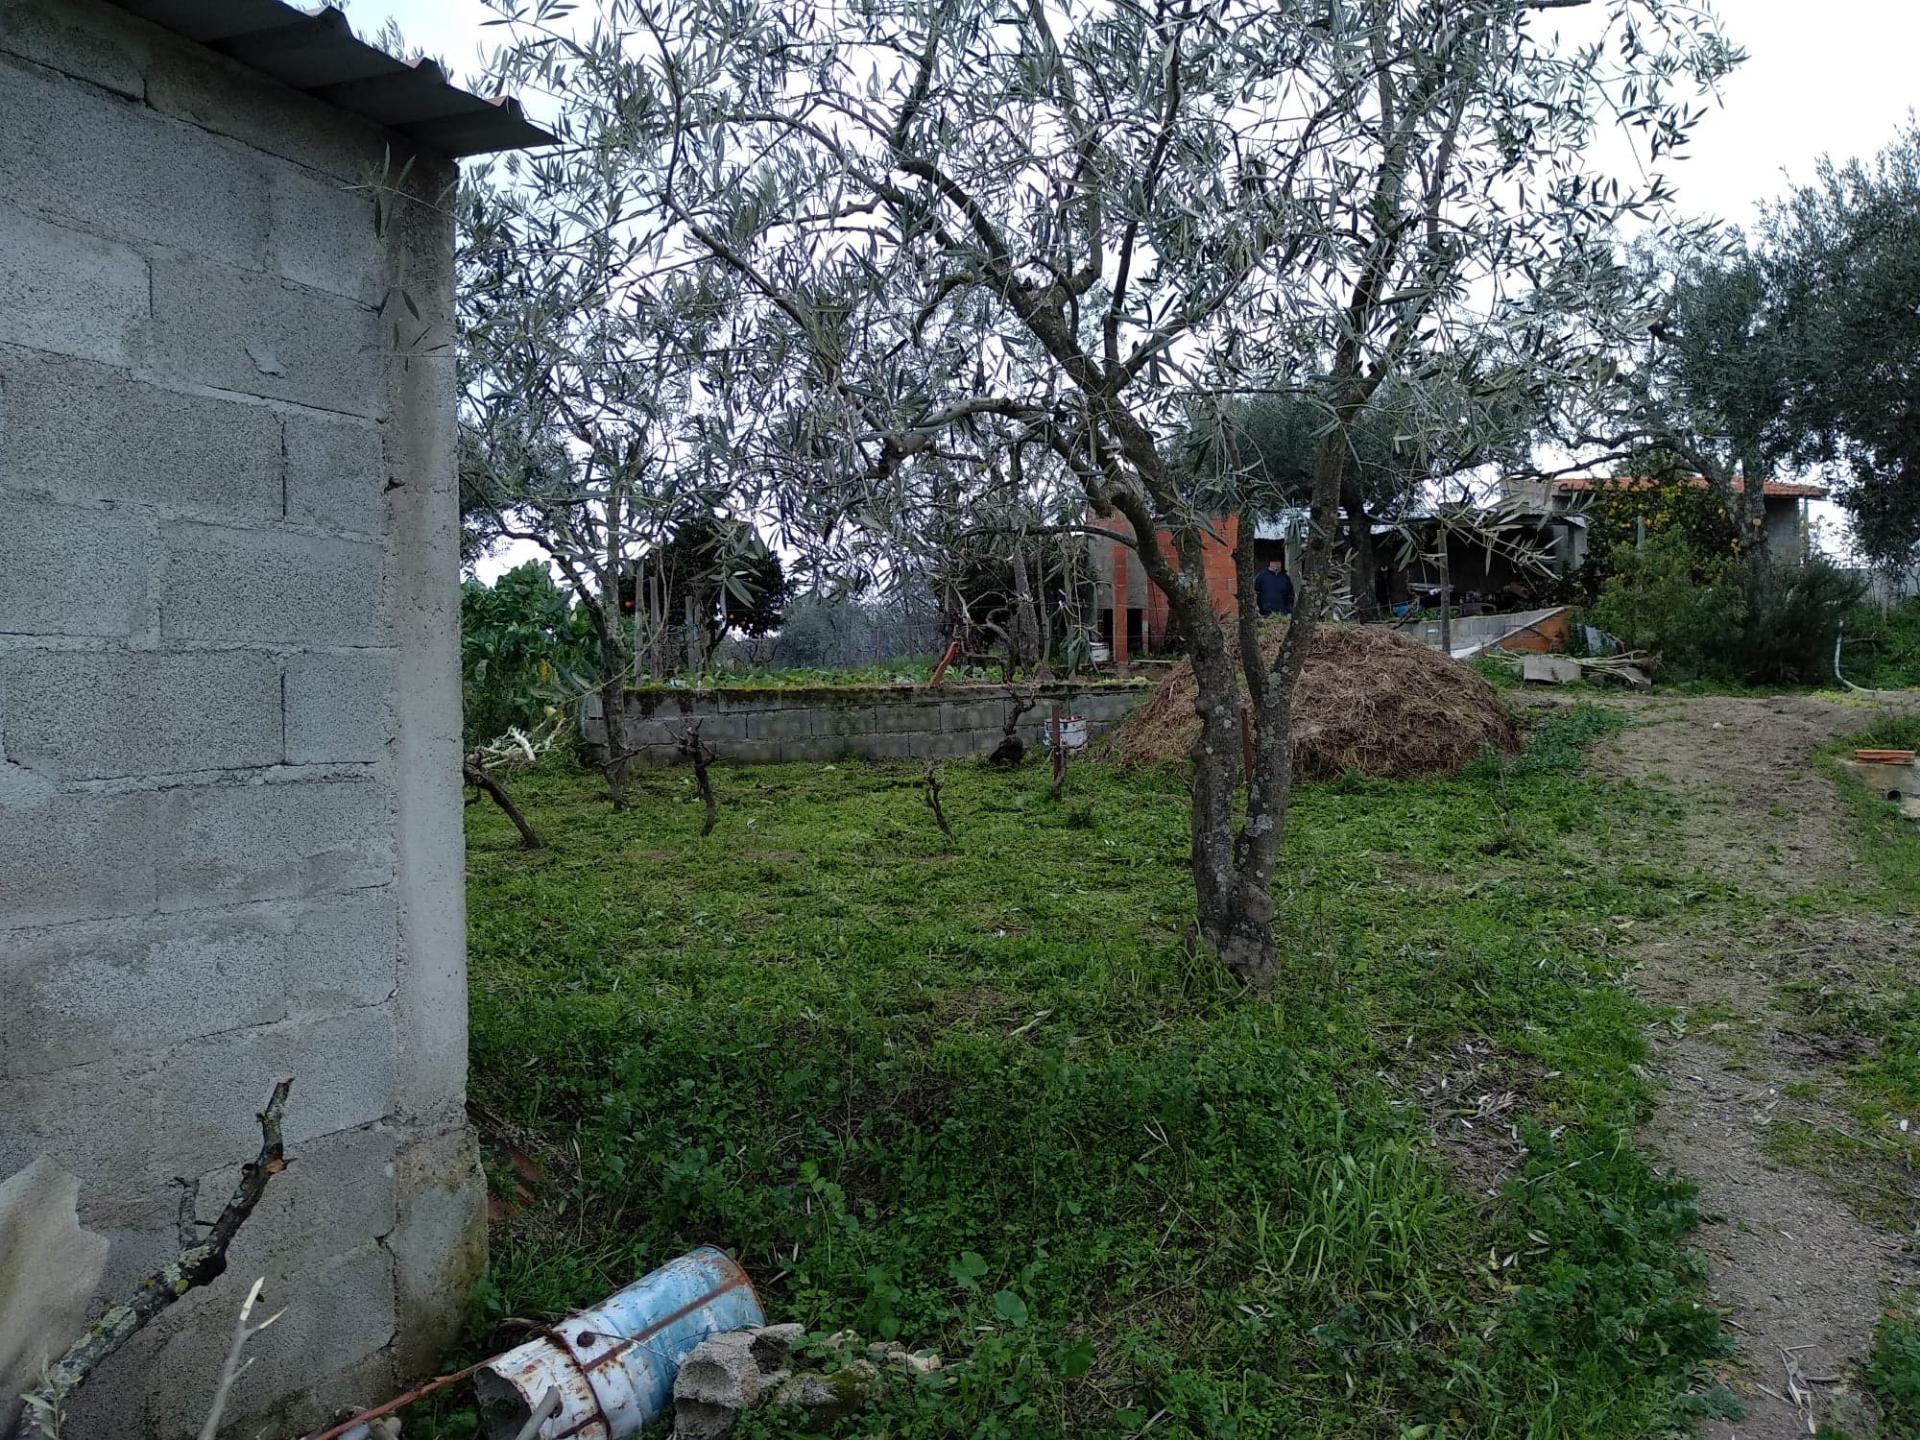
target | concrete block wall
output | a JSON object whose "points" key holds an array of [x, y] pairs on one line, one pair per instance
{"points": [[230, 844], [866, 722]]}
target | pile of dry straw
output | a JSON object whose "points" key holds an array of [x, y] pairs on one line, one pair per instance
{"points": [[1371, 701]]}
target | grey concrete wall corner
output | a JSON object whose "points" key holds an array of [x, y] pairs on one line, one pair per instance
{"points": [[227, 445]]}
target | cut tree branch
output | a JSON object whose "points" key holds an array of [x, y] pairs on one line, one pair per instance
{"points": [[194, 1267]]}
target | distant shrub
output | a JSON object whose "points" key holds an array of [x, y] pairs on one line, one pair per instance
{"points": [[1883, 646], [1665, 598], [1707, 617], [1793, 618]]}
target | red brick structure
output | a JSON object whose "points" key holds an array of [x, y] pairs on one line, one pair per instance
{"points": [[1135, 614]]}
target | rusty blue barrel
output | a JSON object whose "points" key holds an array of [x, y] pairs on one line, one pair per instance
{"points": [[608, 1372]]}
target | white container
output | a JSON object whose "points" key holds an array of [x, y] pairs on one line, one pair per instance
{"points": [[1073, 732], [1099, 654]]}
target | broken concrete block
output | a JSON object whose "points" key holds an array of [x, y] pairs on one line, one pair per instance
{"points": [[832, 1394], [722, 1377], [771, 1344]]}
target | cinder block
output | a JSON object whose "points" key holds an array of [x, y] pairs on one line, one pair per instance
{"points": [[439, 1246], [336, 474], [714, 729], [971, 715], [343, 1075], [334, 1317], [116, 1144], [906, 714], [948, 745], [68, 292], [884, 745], [339, 707], [194, 84], [323, 235], [259, 335], [232, 843], [647, 734], [90, 432], [93, 44], [341, 1191], [787, 723], [117, 169], [90, 715], [752, 752], [843, 720], [70, 571], [72, 857], [221, 583], [80, 991]]}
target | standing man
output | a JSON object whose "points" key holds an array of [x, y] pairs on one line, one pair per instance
{"points": [[1273, 588]]}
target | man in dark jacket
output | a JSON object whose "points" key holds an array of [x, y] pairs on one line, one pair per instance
{"points": [[1273, 589]]}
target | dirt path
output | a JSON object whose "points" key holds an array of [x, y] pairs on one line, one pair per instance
{"points": [[1800, 1276]]}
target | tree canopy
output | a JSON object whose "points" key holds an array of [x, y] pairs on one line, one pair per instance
{"points": [[1843, 266]]}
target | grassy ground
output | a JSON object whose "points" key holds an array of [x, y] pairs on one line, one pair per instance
{"points": [[979, 1097]]}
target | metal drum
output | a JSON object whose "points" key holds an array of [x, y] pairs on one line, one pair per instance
{"points": [[608, 1372]]}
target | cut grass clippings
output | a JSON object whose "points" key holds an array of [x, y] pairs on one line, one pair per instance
{"points": [[980, 1098]]}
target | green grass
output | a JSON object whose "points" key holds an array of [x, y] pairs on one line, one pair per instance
{"points": [[980, 1096], [1893, 1373]]}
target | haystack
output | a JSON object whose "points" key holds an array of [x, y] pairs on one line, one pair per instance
{"points": [[1371, 701]]}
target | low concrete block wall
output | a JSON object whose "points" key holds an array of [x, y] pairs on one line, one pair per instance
{"points": [[866, 722]]}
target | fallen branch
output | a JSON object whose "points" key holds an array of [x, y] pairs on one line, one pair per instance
{"points": [[689, 744], [193, 1267], [931, 798], [477, 775]]}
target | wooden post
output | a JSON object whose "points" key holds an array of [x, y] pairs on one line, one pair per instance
{"points": [[1059, 753]]}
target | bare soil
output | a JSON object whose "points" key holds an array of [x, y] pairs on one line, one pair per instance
{"points": [[1800, 1276]]}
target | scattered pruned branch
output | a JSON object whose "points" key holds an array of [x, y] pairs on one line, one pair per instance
{"points": [[689, 744], [483, 781], [193, 1267], [931, 798], [231, 1370]]}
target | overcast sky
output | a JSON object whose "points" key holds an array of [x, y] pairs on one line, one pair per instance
{"points": [[1823, 77]]}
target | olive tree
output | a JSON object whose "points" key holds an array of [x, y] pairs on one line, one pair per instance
{"points": [[1842, 258], [582, 431], [1080, 226]]}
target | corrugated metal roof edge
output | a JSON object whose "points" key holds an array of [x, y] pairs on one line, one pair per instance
{"points": [[316, 52]]}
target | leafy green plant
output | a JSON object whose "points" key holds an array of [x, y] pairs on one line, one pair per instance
{"points": [[1708, 616], [524, 648]]}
